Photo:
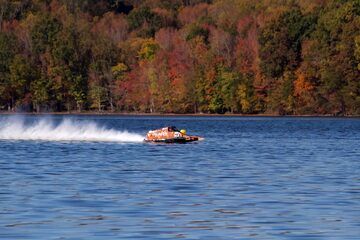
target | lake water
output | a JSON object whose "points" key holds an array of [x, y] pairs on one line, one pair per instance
{"points": [[92, 177]]}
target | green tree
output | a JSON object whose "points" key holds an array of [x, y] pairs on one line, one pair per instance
{"points": [[197, 31], [40, 90], [281, 96], [71, 55], [8, 49], [332, 55], [101, 81], [357, 50], [44, 33], [229, 82], [280, 42], [21, 75], [145, 21]]}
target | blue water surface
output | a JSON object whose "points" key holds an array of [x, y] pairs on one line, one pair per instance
{"points": [[251, 178]]}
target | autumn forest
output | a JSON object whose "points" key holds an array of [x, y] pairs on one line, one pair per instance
{"points": [[285, 57]]}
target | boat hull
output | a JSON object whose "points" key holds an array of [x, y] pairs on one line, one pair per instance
{"points": [[169, 135], [174, 140]]}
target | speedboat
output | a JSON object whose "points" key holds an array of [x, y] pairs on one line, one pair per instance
{"points": [[170, 135]]}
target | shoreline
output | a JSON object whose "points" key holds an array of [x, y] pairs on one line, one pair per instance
{"points": [[90, 113]]}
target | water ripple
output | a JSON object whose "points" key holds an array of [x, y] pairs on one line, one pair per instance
{"points": [[252, 178]]}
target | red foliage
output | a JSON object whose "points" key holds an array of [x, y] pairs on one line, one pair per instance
{"points": [[247, 49], [9, 26], [191, 14], [164, 37], [113, 26]]}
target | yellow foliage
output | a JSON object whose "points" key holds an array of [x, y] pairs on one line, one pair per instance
{"points": [[119, 69], [244, 100], [148, 49], [136, 43], [357, 50]]}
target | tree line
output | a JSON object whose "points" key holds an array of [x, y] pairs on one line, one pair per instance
{"points": [[283, 57]]}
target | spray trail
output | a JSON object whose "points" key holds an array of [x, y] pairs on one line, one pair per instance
{"points": [[66, 130]]}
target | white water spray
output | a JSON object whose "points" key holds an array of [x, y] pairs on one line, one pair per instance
{"points": [[66, 130]]}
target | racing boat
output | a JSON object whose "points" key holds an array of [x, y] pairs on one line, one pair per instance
{"points": [[170, 135]]}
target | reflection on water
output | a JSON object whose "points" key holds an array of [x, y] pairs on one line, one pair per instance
{"points": [[252, 178]]}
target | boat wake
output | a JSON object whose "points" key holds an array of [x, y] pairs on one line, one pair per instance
{"points": [[66, 130]]}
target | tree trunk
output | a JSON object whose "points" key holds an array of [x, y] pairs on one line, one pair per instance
{"points": [[111, 104], [186, 2], [152, 106], [68, 105], [79, 107], [12, 103]]}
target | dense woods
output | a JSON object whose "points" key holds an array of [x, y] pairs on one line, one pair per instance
{"points": [[181, 56]]}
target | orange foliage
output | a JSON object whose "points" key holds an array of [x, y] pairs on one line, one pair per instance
{"points": [[302, 85]]}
